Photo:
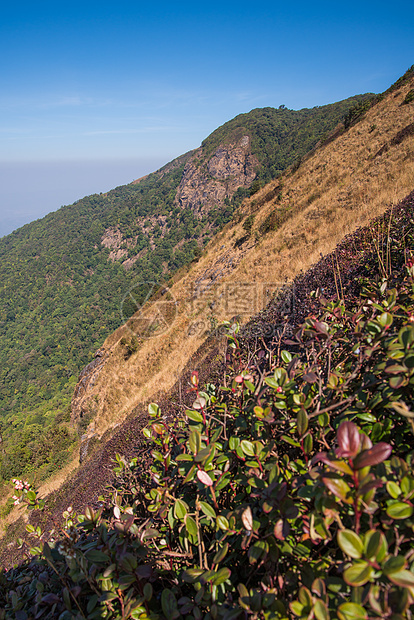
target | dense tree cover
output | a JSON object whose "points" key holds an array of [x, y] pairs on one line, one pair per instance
{"points": [[61, 295]]}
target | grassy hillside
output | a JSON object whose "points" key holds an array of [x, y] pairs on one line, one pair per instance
{"points": [[283, 490], [63, 279], [278, 232]]}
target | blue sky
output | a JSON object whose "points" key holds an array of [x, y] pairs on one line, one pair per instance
{"points": [[95, 94]]}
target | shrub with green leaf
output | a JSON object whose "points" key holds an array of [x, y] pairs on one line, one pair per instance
{"points": [[281, 494]]}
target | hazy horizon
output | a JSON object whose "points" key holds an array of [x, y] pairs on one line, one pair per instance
{"points": [[49, 185]]}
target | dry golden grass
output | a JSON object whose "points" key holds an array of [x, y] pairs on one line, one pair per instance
{"points": [[337, 189]]}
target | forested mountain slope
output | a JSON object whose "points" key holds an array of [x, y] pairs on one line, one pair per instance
{"points": [[63, 278]]}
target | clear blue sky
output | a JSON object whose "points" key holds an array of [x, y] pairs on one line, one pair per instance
{"points": [[95, 94]]}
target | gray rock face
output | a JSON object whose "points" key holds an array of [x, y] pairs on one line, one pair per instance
{"points": [[207, 184]]}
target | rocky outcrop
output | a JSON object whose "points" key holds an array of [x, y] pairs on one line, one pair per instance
{"points": [[206, 184], [111, 238]]}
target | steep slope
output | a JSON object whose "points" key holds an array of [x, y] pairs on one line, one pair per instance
{"points": [[64, 278], [358, 261], [277, 233]]}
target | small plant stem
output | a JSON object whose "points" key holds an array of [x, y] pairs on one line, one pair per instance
{"points": [[339, 276], [200, 553], [334, 273], [331, 407], [389, 266], [356, 509], [65, 584], [121, 600], [303, 450], [259, 463], [214, 498], [201, 548]]}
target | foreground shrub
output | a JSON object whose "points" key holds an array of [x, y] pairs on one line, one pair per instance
{"points": [[275, 496]]}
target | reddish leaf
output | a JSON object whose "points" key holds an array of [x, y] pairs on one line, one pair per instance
{"points": [[159, 428], [373, 483], [247, 518], [348, 440], [320, 456], [204, 478], [377, 454], [333, 463], [338, 487], [281, 529], [322, 328], [194, 378]]}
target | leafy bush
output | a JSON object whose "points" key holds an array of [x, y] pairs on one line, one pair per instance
{"points": [[248, 223], [275, 219], [409, 97], [277, 495]]}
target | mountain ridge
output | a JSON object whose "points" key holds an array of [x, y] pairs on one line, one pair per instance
{"points": [[279, 230], [60, 284], [260, 240]]}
